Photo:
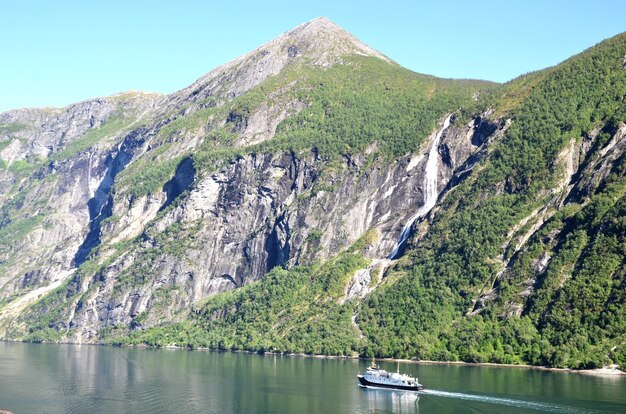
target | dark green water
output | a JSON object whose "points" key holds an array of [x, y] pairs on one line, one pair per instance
{"points": [[90, 379]]}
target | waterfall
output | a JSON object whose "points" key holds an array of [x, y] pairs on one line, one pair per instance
{"points": [[429, 186]]}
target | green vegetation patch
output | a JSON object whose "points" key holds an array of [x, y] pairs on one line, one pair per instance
{"points": [[9, 129], [16, 230], [112, 127], [364, 101]]}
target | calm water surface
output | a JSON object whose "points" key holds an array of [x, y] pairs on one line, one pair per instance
{"points": [[90, 379]]}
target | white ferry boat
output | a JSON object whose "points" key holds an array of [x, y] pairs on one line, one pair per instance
{"points": [[375, 377]]}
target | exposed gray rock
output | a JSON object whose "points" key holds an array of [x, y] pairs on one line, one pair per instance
{"points": [[47, 130]]}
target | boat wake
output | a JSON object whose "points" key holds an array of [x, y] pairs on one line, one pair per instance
{"points": [[529, 405]]}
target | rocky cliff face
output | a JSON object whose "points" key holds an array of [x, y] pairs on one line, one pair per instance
{"points": [[52, 172], [256, 213]]}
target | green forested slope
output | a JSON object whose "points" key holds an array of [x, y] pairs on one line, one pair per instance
{"points": [[456, 261]]}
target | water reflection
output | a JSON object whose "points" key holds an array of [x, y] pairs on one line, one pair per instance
{"points": [[394, 401]]}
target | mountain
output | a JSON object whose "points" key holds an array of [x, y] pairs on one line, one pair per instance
{"points": [[314, 196]]}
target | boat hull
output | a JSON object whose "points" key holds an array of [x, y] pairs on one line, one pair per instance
{"points": [[365, 383]]}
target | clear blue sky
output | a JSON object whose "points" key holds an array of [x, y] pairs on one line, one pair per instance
{"points": [[54, 53]]}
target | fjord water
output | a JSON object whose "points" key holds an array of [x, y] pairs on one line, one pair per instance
{"points": [[91, 379]]}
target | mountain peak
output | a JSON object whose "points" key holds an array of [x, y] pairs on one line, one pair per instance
{"points": [[318, 42], [323, 41], [317, 26]]}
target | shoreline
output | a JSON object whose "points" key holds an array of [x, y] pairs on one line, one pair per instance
{"points": [[607, 371]]}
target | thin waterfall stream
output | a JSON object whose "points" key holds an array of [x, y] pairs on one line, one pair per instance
{"points": [[430, 189]]}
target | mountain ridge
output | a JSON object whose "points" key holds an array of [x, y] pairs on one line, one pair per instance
{"points": [[258, 212], [328, 36]]}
